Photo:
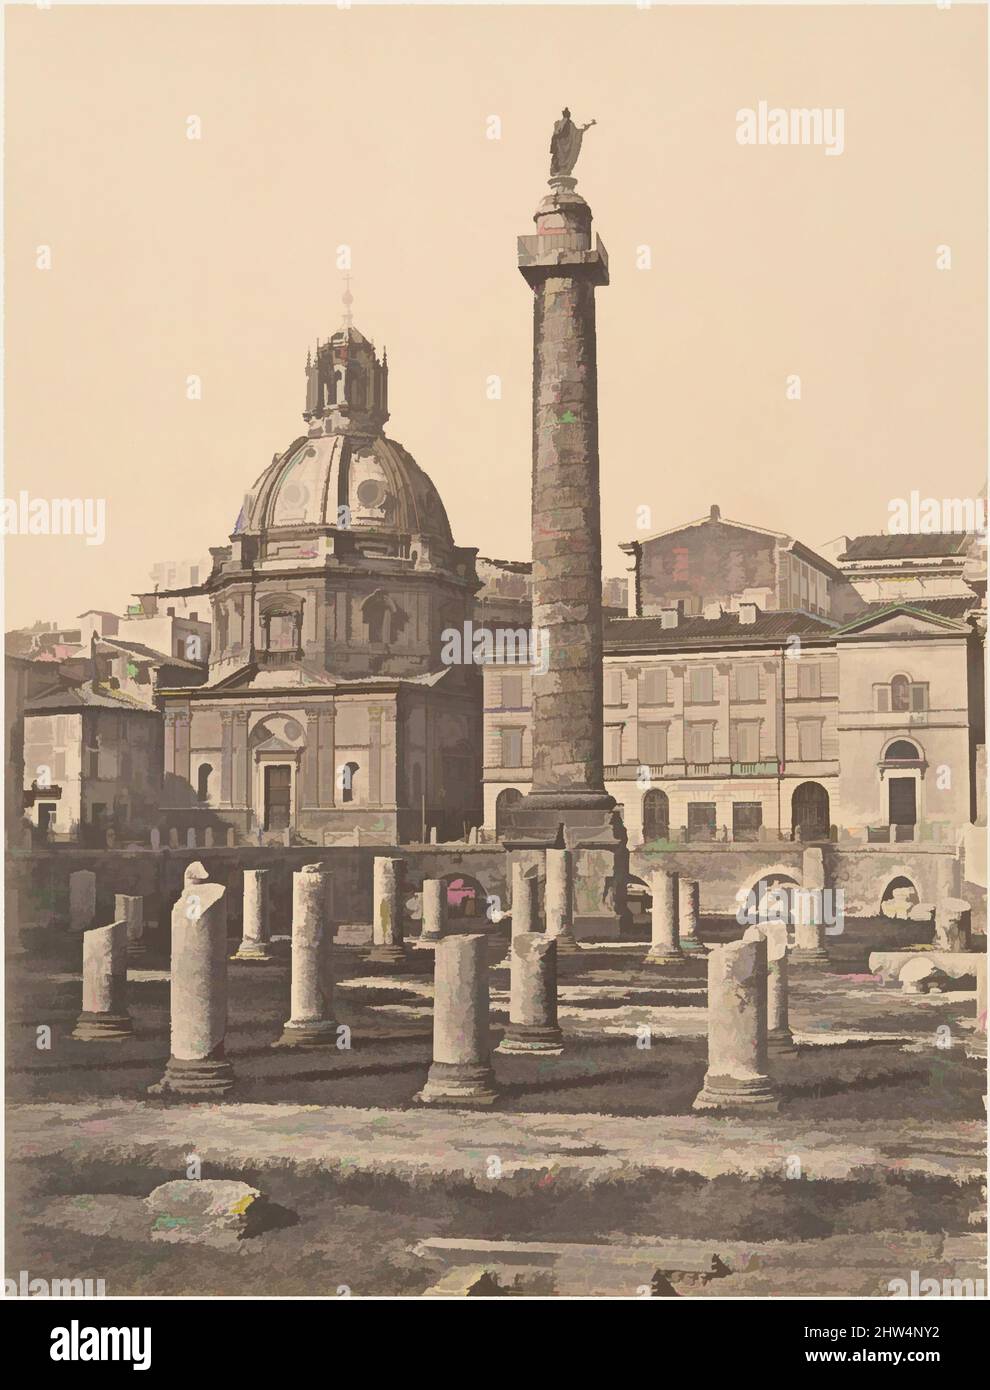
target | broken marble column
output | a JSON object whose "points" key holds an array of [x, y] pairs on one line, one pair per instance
{"points": [[952, 925], [461, 1073], [256, 925], [525, 908], [311, 1022], [688, 912], [130, 909], [388, 943], [197, 1065], [665, 946], [82, 899], [532, 1025], [737, 1028], [433, 919], [104, 1014], [807, 910], [779, 1037], [558, 900]]}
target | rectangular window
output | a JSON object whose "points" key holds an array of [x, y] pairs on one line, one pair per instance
{"points": [[748, 741], [652, 743], [810, 740], [747, 819], [701, 685], [613, 744], [883, 698], [747, 682], [512, 696], [654, 688], [919, 697], [613, 687], [511, 747], [700, 742], [701, 820], [809, 680]]}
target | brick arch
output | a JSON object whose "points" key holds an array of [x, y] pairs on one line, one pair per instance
{"points": [[889, 879]]}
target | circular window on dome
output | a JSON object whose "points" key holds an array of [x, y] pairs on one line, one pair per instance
{"points": [[370, 493]]}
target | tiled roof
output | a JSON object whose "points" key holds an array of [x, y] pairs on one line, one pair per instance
{"points": [[151, 654], [956, 607], [84, 697], [774, 627], [912, 545]]}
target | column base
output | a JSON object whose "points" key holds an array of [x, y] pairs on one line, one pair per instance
{"points": [[566, 943], [661, 955], [426, 943], [733, 1093], [780, 1040], [800, 956], [389, 955], [530, 1038], [253, 950], [459, 1084], [207, 1076], [308, 1032], [103, 1027], [691, 944]]}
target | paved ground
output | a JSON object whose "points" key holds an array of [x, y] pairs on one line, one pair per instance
{"points": [[874, 1161]]}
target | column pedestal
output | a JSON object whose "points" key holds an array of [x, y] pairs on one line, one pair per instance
{"points": [[461, 1073], [665, 946]]}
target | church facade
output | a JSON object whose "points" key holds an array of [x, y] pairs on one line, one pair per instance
{"points": [[328, 711]]}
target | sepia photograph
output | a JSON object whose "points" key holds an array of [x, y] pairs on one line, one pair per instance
{"points": [[494, 610]]}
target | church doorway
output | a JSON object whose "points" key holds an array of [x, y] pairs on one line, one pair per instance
{"points": [[278, 796]]}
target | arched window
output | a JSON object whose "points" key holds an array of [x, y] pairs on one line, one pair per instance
{"points": [[382, 618], [503, 804], [810, 812], [656, 815], [348, 776], [281, 623], [903, 750], [900, 694], [203, 781]]}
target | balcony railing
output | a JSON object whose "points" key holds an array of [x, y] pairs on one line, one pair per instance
{"points": [[616, 772], [288, 657]]}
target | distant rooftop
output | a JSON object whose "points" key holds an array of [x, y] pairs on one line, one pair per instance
{"points": [[913, 545]]}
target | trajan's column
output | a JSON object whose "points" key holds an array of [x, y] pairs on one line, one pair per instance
{"points": [[568, 806]]}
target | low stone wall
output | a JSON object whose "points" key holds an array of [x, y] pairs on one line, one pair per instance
{"points": [[864, 873], [42, 878]]}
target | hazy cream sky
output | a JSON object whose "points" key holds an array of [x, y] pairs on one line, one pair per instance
{"points": [[368, 127]]}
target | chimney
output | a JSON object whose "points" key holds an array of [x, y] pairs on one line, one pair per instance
{"points": [[715, 514], [711, 611], [747, 612], [669, 617]]}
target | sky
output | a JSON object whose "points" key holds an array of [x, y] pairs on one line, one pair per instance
{"points": [[734, 268]]}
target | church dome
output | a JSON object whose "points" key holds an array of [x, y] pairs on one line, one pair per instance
{"points": [[349, 482], [345, 473]]}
